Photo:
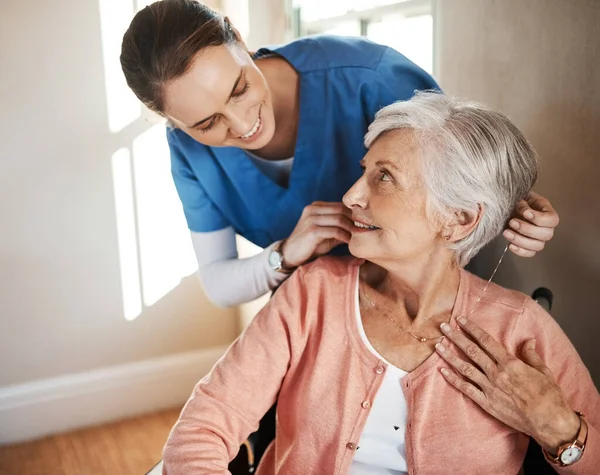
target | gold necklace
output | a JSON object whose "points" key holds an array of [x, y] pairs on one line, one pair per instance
{"points": [[423, 339]]}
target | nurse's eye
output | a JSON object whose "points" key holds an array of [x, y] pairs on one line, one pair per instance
{"points": [[241, 91], [209, 125]]}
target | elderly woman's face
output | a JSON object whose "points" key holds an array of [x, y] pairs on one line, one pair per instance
{"points": [[388, 203]]}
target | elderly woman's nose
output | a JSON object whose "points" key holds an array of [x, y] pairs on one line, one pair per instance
{"points": [[355, 197]]}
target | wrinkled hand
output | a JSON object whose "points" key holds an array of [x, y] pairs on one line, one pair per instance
{"points": [[521, 393], [321, 227], [531, 226]]}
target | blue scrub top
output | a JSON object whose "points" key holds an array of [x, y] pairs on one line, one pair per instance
{"points": [[343, 83]]}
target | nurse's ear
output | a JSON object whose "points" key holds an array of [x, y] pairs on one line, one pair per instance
{"points": [[461, 224]]}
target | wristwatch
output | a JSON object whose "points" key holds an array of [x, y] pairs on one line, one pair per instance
{"points": [[571, 452], [276, 260]]}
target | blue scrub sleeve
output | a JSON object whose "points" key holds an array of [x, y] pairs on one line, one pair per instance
{"points": [[200, 212], [396, 79]]}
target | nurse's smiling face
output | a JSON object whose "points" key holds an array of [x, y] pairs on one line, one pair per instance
{"points": [[223, 100]]}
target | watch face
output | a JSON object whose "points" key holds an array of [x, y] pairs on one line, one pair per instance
{"points": [[570, 455], [275, 260]]}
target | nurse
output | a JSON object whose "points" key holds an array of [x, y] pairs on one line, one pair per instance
{"points": [[266, 144]]}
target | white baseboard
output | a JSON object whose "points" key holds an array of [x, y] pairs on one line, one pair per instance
{"points": [[39, 408]]}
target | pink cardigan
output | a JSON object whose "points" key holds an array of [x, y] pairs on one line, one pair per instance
{"points": [[304, 350]]}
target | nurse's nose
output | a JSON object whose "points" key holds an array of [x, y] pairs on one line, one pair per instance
{"points": [[357, 195], [240, 122]]}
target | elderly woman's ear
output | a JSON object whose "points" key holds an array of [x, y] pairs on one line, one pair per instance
{"points": [[462, 224]]}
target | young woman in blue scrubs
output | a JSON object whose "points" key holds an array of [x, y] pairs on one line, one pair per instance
{"points": [[265, 144]]}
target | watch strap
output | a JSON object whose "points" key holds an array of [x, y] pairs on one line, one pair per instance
{"points": [[282, 269], [579, 442]]}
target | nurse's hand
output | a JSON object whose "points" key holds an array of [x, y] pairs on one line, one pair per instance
{"points": [[321, 227], [531, 226]]}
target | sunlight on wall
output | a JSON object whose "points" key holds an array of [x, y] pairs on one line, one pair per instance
{"points": [[155, 249], [123, 106], [126, 233], [166, 252]]}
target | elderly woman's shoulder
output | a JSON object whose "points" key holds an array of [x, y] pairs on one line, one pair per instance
{"points": [[333, 269], [331, 265], [495, 298], [508, 315]]}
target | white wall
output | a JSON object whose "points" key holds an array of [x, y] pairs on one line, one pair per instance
{"points": [[538, 62], [60, 282]]}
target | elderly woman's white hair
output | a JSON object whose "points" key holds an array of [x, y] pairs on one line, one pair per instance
{"points": [[471, 156]]}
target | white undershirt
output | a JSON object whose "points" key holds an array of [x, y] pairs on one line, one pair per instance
{"points": [[277, 170], [227, 280], [381, 449]]}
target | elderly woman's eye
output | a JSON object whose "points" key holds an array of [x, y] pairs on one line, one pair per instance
{"points": [[384, 176]]}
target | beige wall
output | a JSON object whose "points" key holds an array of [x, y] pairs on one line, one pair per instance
{"points": [[539, 62], [60, 291]]}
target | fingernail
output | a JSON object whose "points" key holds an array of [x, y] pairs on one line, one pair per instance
{"points": [[440, 347], [509, 235], [445, 372], [462, 320], [514, 248], [445, 327], [528, 214], [514, 224]]}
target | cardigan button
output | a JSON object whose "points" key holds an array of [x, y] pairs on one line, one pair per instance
{"points": [[379, 369], [366, 405], [351, 446]]}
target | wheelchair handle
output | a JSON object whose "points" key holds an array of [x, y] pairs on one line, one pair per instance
{"points": [[544, 297]]}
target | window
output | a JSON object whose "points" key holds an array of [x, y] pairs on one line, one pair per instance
{"points": [[406, 26]]}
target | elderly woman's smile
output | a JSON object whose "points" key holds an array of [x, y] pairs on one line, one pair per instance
{"points": [[363, 227]]}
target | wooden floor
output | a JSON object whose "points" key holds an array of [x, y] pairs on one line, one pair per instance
{"points": [[129, 447]]}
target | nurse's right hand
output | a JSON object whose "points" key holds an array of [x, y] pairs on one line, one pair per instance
{"points": [[321, 227]]}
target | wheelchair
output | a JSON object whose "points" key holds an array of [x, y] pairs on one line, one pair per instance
{"points": [[251, 451]]}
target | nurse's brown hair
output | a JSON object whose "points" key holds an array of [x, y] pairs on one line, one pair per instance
{"points": [[163, 39]]}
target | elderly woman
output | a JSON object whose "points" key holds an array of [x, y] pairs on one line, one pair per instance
{"points": [[399, 361]]}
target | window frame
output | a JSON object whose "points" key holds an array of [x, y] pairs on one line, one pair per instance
{"points": [[406, 8]]}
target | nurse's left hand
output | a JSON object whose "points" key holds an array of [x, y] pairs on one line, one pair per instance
{"points": [[531, 226], [520, 392]]}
